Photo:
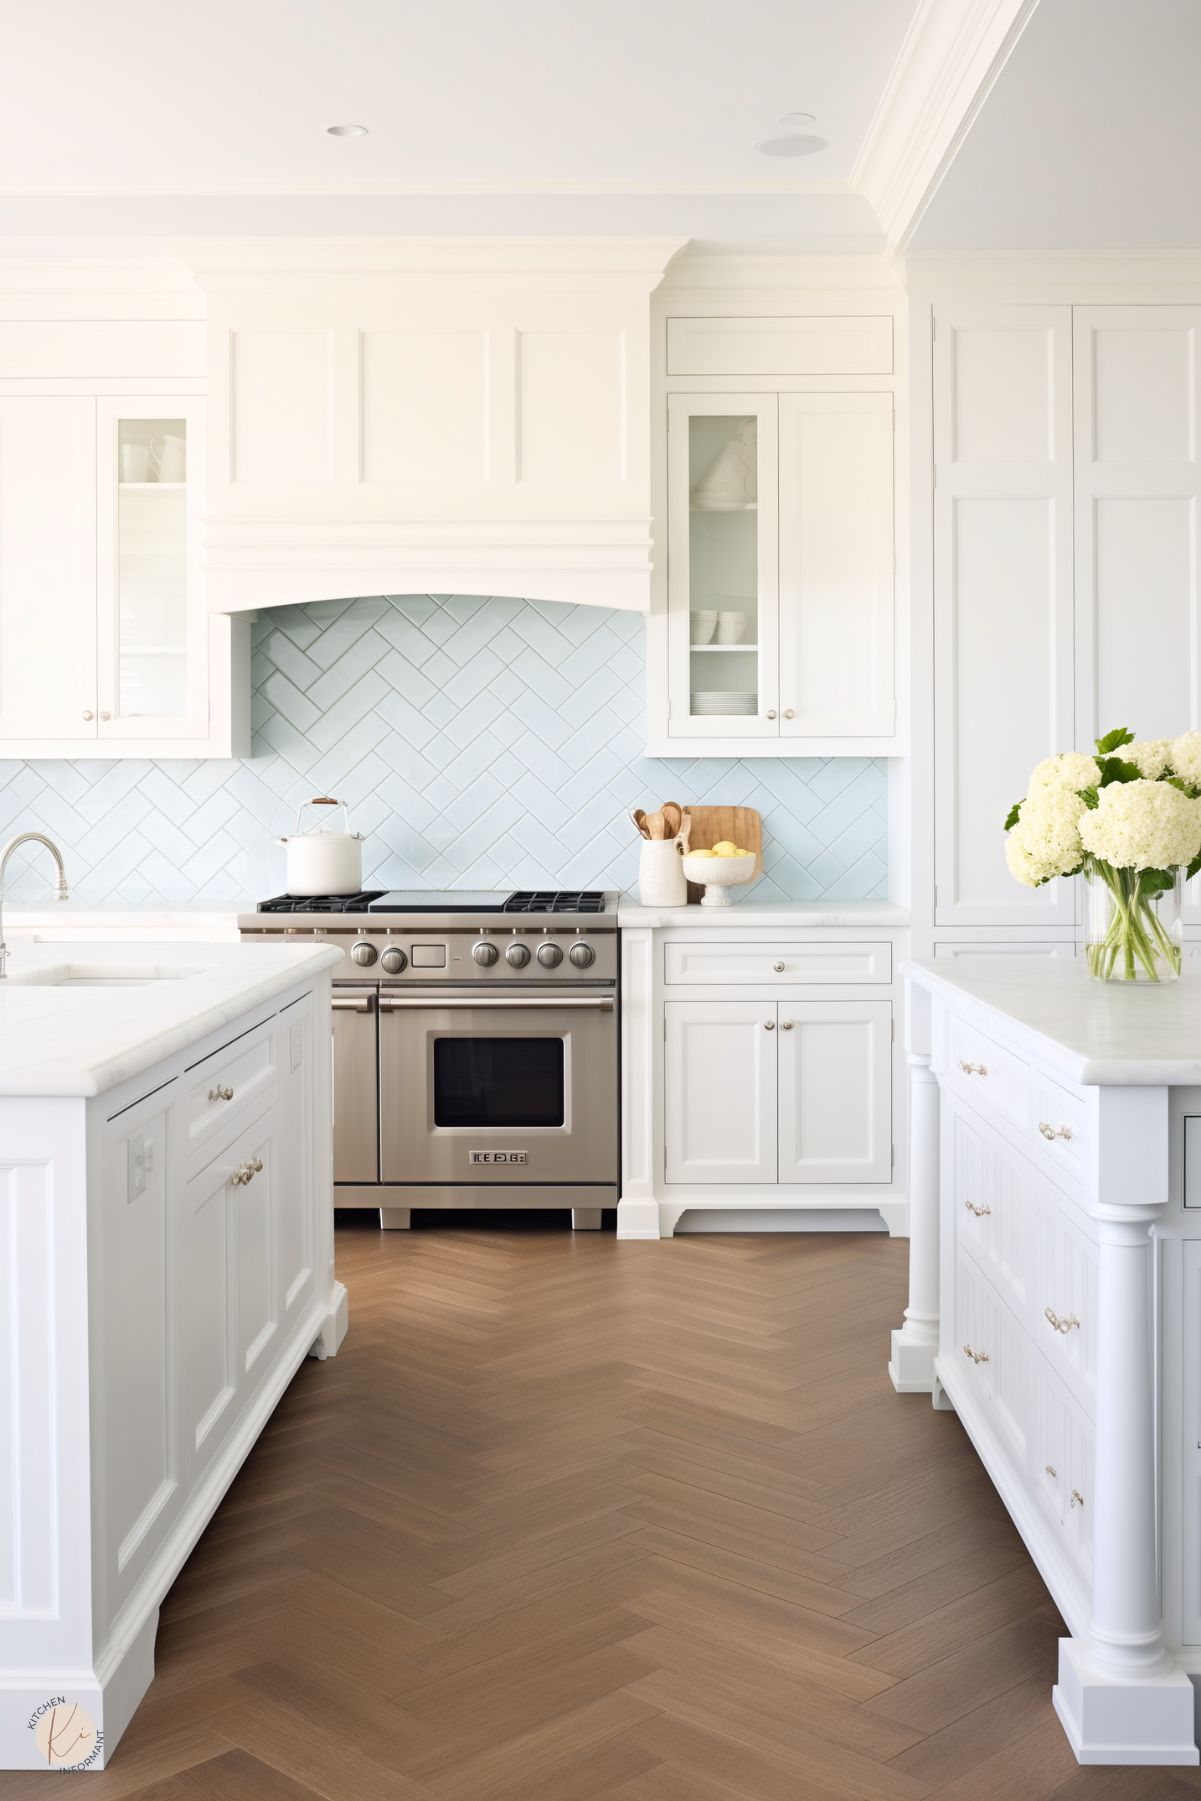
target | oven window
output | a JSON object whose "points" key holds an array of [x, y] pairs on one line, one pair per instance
{"points": [[499, 1082]]}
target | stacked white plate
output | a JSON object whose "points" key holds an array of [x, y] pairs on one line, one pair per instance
{"points": [[710, 701]]}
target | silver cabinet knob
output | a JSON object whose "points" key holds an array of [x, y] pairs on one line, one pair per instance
{"points": [[221, 1093], [485, 954], [786, 1025], [106, 715], [518, 955], [393, 960], [769, 1025], [788, 713], [363, 954], [582, 955], [771, 712], [550, 955], [1077, 1499], [779, 968], [89, 714]]}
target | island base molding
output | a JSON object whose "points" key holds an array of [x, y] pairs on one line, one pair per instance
{"points": [[747, 1211], [1120, 1718]]}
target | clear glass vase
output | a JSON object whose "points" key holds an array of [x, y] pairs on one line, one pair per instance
{"points": [[1133, 930]]}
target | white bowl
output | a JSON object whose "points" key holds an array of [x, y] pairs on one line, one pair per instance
{"points": [[717, 874], [703, 626]]}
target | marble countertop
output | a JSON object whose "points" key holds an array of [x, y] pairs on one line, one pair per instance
{"points": [[82, 1040], [1094, 1033], [764, 913]]}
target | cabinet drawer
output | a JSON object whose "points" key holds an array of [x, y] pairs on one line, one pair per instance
{"points": [[230, 1086], [1061, 1469], [1063, 1312], [994, 1079], [1059, 1122], [992, 1346], [781, 346], [702, 964], [991, 1207]]}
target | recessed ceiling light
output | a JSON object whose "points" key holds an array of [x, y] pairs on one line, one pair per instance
{"points": [[790, 143], [795, 121], [347, 131]]}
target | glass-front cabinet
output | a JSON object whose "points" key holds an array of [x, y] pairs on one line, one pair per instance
{"points": [[723, 565], [152, 639], [780, 573]]}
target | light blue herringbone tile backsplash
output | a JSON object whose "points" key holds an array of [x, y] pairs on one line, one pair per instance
{"points": [[480, 743]]}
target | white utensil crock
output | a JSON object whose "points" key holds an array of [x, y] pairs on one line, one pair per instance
{"points": [[661, 874], [322, 861]]}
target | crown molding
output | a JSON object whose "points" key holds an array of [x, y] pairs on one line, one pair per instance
{"points": [[871, 270], [951, 55], [249, 187], [636, 261]]}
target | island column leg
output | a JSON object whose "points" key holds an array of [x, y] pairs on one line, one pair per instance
{"points": [[915, 1344], [1121, 1697]]}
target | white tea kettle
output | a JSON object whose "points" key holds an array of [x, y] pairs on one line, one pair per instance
{"points": [[323, 860]]}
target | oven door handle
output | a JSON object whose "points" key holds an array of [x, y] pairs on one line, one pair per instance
{"points": [[359, 1003], [395, 1004]]}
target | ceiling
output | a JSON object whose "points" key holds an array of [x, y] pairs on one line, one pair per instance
{"points": [[169, 116], [1090, 138]]}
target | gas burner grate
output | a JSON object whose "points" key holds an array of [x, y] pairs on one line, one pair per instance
{"points": [[321, 903], [551, 900]]}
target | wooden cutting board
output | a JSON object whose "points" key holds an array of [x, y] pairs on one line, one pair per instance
{"points": [[716, 825]]}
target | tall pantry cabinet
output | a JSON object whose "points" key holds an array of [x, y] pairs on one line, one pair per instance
{"points": [[1066, 481]]}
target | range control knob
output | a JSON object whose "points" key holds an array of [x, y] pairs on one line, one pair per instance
{"points": [[518, 955], [550, 956], [485, 954], [393, 960], [582, 955], [363, 954]]}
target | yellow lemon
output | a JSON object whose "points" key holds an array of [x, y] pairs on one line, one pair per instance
{"points": [[702, 853], [725, 849]]}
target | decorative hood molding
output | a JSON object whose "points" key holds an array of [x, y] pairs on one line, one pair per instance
{"points": [[430, 416]]}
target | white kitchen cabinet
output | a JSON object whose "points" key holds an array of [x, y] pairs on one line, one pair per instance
{"points": [[47, 569], [720, 1091], [794, 1092], [106, 646], [835, 1091], [780, 518], [1003, 596]]}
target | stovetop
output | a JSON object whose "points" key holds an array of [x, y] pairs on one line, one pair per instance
{"points": [[450, 900]]}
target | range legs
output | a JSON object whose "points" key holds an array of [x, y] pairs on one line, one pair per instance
{"points": [[915, 1344]]}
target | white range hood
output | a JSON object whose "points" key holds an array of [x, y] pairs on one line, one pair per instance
{"points": [[429, 416]]}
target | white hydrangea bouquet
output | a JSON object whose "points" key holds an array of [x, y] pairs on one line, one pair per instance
{"points": [[1129, 820]]}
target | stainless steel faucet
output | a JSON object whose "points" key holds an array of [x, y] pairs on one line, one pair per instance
{"points": [[60, 885]]}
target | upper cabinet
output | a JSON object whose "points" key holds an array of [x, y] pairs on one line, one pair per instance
{"points": [[106, 644], [423, 416], [772, 629]]}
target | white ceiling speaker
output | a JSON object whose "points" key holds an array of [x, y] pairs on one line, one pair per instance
{"points": [[790, 143]]}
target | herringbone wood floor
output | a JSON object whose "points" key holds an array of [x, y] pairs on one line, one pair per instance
{"points": [[573, 1520]]}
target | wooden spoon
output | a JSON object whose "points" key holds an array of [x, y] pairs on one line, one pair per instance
{"points": [[656, 827], [672, 814], [638, 817]]}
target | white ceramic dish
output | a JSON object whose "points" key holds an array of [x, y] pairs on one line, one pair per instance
{"points": [[719, 875]]}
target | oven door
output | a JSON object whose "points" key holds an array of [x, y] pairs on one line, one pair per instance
{"points": [[356, 1085], [504, 1089]]}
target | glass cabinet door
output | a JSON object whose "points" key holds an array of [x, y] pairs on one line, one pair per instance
{"points": [[722, 565], [151, 628]]}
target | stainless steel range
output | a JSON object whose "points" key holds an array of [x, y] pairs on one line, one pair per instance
{"points": [[475, 1046]]}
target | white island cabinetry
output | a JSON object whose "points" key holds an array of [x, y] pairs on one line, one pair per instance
{"points": [[1053, 1250], [165, 1191], [758, 1067]]}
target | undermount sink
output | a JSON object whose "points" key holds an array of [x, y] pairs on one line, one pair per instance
{"points": [[102, 975]]}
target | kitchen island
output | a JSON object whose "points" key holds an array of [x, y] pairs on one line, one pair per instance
{"points": [[166, 1218], [1055, 1304]]}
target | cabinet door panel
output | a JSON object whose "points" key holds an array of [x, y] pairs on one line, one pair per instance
{"points": [[297, 1171], [720, 1091], [208, 1355], [836, 565], [1003, 597], [47, 568], [835, 1091], [255, 1207]]}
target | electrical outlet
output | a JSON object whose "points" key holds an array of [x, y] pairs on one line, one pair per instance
{"points": [[297, 1048], [136, 1153]]}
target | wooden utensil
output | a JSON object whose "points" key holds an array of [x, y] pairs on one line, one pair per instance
{"points": [[672, 814], [638, 818], [656, 826], [716, 825], [684, 833]]}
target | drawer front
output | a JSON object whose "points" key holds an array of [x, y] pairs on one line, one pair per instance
{"points": [[228, 1088], [1060, 1123], [745, 964], [994, 1349], [1063, 1313], [991, 1209], [992, 1078], [1061, 1468]]}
